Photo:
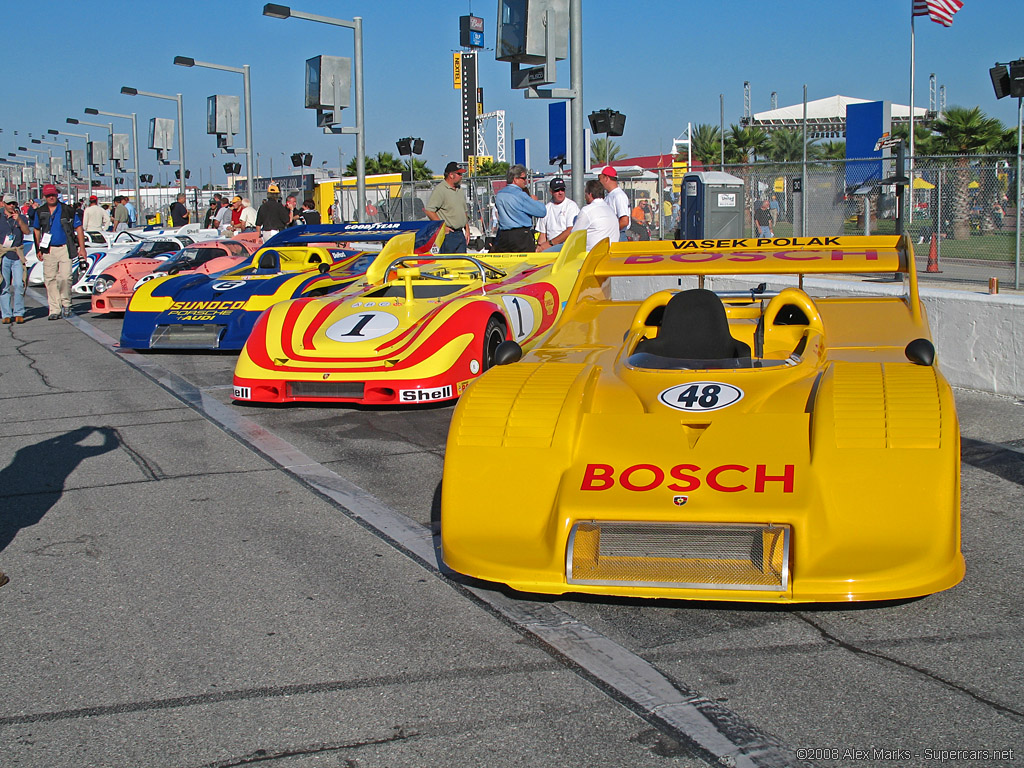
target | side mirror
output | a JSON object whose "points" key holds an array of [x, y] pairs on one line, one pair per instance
{"points": [[323, 269], [920, 352], [508, 352]]}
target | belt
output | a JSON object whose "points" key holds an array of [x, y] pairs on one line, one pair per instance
{"points": [[515, 229]]}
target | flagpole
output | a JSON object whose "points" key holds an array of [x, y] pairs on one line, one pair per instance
{"points": [[910, 215]]}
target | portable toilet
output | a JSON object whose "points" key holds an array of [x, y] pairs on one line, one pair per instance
{"points": [[712, 207]]}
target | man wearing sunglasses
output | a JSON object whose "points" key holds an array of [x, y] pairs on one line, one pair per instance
{"points": [[517, 209], [13, 228], [55, 228]]}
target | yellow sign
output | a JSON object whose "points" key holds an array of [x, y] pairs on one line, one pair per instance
{"points": [[679, 169], [780, 184], [475, 161], [457, 71]]}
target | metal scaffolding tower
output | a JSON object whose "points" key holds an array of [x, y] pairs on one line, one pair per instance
{"points": [[481, 126]]}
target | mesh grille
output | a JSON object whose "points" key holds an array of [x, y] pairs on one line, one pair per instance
{"points": [[187, 336], [681, 555], [352, 389]]}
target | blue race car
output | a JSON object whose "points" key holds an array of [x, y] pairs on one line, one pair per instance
{"points": [[218, 311]]}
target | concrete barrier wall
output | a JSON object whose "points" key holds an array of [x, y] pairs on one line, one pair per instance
{"points": [[979, 338]]}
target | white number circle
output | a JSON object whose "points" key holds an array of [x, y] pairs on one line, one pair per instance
{"points": [[227, 285], [701, 396], [362, 326], [150, 276], [520, 315]]}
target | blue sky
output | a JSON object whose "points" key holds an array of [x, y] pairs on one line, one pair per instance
{"points": [[661, 63]]}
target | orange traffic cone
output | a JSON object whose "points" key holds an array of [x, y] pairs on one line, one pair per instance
{"points": [[933, 257]]}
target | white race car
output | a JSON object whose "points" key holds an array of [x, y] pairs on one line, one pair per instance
{"points": [[150, 247], [96, 244]]}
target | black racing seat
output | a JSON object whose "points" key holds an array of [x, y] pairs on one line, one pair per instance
{"points": [[694, 327], [269, 262]]}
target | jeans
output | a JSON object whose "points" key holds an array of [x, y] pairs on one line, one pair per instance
{"points": [[454, 242], [14, 281], [764, 230]]}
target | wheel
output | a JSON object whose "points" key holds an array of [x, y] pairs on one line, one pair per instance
{"points": [[494, 334]]}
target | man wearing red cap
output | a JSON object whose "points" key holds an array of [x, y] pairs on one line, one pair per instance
{"points": [[94, 218], [55, 228], [614, 197]]}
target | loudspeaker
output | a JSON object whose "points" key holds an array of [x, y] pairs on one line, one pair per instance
{"points": [[1017, 78], [1000, 81]]}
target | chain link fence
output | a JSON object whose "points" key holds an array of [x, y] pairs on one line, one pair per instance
{"points": [[965, 203], [964, 206]]}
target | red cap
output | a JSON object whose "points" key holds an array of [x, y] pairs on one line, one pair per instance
{"points": [[49, 189], [609, 172], [93, 199]]}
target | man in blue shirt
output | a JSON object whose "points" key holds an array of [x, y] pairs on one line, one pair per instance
{"points": [[516, 211], [55, 227], [13, 229]]}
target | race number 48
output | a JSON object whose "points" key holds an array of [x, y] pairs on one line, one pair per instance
{"points": [[701, 396]]}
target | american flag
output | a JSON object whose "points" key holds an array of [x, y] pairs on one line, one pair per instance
{"points": [[940, 11]]}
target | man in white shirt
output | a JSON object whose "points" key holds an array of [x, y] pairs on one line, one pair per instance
{"points": [[94, 218], [596, 217], [614, 197], [248, 217], [557, 223]]}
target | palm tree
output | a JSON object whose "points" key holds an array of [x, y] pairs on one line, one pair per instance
{"points": [[382, 162], [706, 144], [965, 131], [492, 169], [603, 151], [831, 150], [786, 146], [745, 144]]}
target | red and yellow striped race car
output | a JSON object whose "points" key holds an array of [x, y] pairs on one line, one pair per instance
{"points": [[411, 333]]}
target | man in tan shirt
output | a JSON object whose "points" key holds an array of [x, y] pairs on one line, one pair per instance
{"points": [[447, 203]]}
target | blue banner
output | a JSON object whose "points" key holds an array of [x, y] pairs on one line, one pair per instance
{"points": [[865, 124], [557, 122]]}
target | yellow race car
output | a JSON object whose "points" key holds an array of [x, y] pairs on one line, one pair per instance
{"points": [[746, 445]]}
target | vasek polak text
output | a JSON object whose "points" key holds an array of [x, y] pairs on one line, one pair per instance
{"points": [[755, 242], [999, 756]]}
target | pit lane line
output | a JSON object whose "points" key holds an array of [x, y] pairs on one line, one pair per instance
{"points": [[719, 734]]}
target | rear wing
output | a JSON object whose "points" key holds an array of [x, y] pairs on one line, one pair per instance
{"points": [[843, 254], [424, 233]]}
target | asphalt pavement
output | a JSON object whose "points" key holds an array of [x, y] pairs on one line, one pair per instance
{"points": [[200, 584]]}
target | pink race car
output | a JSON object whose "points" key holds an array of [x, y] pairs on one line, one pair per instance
{"points": [[114, 288]]}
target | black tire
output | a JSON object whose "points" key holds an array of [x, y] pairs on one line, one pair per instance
{"points": [[494, 334]]}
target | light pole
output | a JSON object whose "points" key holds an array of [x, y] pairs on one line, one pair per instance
{"points": [[110, 128], [67, 171], [24, 164], [49, 175], [356, 25], [127, 91], [54, 132], [135, 148], [185, 61]]}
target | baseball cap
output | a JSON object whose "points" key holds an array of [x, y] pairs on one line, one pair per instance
{"points": [[93, 199], [453, 167], [273, 189], [609, 172], [238, 199], [49, 189], [557, 184], [9, 198]]}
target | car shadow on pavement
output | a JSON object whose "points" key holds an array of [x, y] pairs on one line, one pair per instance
{"points": [[34, 480]]}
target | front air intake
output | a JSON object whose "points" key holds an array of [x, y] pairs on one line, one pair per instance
{"points": [[679, 555], [187, 336], [352, 390]]}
